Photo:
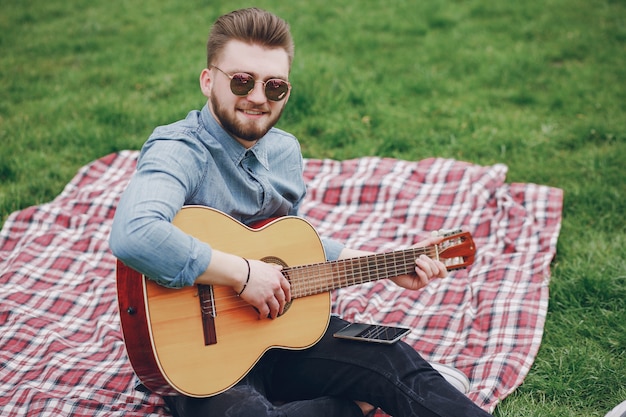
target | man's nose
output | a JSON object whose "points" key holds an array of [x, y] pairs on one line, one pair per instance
{"points": [[257, 95]]}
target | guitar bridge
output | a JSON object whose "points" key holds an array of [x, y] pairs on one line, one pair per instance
{"points": [[207, 309]]}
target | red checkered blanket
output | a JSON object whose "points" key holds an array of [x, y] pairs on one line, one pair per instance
{"points": [[61, 348]]}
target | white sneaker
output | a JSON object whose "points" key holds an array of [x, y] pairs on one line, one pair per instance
{"points": [[457, 378], [618, 411]]}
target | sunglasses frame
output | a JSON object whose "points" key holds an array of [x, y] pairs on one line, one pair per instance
{"points": [[254, 82]]}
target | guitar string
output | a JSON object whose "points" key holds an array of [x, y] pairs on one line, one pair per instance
{"points": [[357, 270], [328, 278]]}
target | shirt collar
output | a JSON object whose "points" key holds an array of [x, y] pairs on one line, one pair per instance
{"points": [[260, 151]]}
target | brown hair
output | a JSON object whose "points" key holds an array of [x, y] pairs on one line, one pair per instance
{"points": [[253, 26]]}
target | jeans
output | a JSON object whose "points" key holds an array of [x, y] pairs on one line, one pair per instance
{"points": [[324, 379]]}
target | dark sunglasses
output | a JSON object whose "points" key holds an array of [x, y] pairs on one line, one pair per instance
{"points": [[241, 84]]}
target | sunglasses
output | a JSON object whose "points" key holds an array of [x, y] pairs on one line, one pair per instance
{"points": [[241, 84]]}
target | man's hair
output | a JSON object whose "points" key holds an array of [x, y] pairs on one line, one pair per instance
{"points": [[252, 26]]}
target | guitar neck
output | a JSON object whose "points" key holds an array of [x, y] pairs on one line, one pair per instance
{"points": [[314, 279]]}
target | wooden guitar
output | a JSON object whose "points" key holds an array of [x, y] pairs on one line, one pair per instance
{"points": [[201, 340]]}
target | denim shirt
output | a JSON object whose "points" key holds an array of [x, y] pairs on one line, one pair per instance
{"points": [[195, 162]]}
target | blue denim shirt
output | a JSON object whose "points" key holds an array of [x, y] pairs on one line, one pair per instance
{"points": [[195, 162]]}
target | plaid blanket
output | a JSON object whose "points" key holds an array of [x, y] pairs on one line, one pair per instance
{"points": [[61, 348]]}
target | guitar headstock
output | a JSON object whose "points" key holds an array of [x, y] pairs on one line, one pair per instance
{"points": [[456, 250]]}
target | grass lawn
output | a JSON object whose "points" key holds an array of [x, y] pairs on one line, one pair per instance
{"points": [[539, 85]]}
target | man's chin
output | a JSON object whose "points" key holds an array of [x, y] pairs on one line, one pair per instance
{"points": [[250, 132], [241, 127]]}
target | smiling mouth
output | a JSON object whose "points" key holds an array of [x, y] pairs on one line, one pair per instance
{"points": [[253, 112]]}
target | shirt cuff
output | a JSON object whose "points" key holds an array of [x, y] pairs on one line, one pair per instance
{"points": [[332, 248]]}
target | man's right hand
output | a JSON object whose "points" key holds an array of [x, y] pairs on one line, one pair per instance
{"points": [[267, 290]]}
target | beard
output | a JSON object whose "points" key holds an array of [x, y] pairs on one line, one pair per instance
{"points": [[249, 132]]}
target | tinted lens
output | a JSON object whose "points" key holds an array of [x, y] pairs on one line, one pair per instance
{"points": [[276, 89], [241, 84]]}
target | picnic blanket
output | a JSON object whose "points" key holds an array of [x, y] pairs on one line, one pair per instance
{"points": [[61, 347]]}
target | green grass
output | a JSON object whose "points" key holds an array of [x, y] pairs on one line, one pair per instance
{"points": [[539, 85]]}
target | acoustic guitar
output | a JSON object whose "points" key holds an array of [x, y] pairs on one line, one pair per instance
{"points": [[201, 340]]}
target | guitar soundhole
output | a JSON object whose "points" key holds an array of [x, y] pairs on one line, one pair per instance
{"points": [[278, 261]]}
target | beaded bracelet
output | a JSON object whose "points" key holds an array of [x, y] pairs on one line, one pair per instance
{"points": [[247, 278]]}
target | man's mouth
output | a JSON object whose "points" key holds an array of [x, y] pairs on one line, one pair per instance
{"points": [[253, 112]]}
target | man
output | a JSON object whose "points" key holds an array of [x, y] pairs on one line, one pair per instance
{"points": [[230, 157]]}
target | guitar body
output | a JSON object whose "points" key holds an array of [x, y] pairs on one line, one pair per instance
{"points": [[201, 340], [163, 328]]}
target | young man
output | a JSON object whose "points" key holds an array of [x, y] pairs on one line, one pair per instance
{"points": [[230, 157]]}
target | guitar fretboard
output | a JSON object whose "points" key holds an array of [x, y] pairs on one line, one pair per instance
{"points": [[323, 277]]}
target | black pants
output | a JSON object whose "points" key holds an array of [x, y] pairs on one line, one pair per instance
{"points": [[325, 379]]}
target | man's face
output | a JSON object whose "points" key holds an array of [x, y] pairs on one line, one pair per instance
{"points": [[246, 118]]}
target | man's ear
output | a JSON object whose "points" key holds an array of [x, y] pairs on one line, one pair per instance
{"points": [[206, 82]]}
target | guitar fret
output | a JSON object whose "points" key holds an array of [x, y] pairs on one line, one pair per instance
{"points": [[323, 277]]}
